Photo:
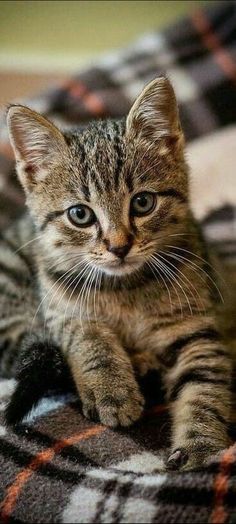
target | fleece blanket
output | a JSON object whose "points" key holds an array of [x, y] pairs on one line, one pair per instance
{"points": [[57, 466]]}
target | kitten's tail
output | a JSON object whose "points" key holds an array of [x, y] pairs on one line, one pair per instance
{"points": [[41, 369]]}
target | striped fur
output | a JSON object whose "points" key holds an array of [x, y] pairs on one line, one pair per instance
{"points": [[115, 319]]}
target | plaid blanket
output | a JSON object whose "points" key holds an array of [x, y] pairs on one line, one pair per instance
{"points": [[57, 466]]}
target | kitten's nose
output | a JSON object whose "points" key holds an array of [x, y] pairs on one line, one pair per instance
{"points": [[119, 251]]}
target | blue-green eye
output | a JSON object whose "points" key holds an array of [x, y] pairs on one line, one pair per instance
{"points": [[143, 203], [81, 215]]}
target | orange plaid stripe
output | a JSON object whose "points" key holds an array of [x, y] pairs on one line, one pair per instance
{"points": [[91, 100], [14, 490], [212, 42], [219, 513]]}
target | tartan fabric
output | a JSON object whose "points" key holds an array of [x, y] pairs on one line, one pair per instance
{"points": [[60, 467], [57, 466]]}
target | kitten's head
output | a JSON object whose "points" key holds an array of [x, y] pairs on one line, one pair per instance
{"points": [[110, 193]]}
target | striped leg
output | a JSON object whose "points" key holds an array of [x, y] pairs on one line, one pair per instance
{"points": [[198, 388], [102, 373]]}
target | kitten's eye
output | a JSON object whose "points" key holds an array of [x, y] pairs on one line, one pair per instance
{"points": [[142, 203], [81, 215]]}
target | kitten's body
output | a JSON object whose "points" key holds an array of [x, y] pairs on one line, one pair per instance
{"points": [[150, 308]]}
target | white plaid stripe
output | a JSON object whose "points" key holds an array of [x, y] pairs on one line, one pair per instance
{"points": [[133, 509]]}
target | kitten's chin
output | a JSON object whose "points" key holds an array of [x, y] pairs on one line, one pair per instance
{"points": [[122, 269]]}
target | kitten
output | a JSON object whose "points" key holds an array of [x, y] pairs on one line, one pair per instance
{"points": [[114, 270]]}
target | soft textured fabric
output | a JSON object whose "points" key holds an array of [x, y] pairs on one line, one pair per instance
{"points": [[57, 466]]}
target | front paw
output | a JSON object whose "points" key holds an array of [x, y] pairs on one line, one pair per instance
{"points": [[192, 457], [113, 404]]}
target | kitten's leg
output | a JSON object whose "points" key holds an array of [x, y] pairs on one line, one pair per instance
{"points": [[102, 373], [198, 389]]}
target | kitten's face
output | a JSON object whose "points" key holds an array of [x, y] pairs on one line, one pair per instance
{"points": [[108, 196]]}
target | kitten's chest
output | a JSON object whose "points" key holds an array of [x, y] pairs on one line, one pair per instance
{"points": [[130, 314], [129, 319]]}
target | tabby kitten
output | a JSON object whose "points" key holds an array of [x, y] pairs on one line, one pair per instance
{"points": [[113, 269]]}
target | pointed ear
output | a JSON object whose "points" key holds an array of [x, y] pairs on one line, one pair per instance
{"points": [[37, 144], [154, 115]]}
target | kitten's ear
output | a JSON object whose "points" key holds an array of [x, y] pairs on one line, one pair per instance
{"points": [[154, 115], [37, 144]]}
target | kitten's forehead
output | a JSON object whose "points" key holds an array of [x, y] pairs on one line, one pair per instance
{"points": [[100, 153]]}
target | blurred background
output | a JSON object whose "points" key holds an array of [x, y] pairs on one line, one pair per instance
{"points": [[42, 42]]}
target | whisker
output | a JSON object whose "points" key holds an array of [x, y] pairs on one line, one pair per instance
{"points": [[201, 269], [95, 292], [81, 297], [152, 267], [52, 287], [177, 280], [66, 257], [186, 279], [162, 268], [188, 263], [70, 279], [27, 243], [60, 262], [72, 293], [88, 292], [172, 275], [92, 288], [152, 243], [182, 235], [68, 286]]}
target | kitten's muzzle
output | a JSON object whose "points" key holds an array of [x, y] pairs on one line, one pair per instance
{"points": [[119, 251]]}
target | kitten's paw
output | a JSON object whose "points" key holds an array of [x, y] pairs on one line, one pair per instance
{"points": [[115, 406], [188, 458]]}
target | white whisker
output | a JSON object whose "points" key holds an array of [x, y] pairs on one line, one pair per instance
{"points": [[63, 260], [49, 291], [176, 280], [81, 297], [89, 290], [186, 279], [72, 293], [27, 243], [94, 294], [153, 267], [187, 263], [162, 268], [201, 269], [70, 279]]}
